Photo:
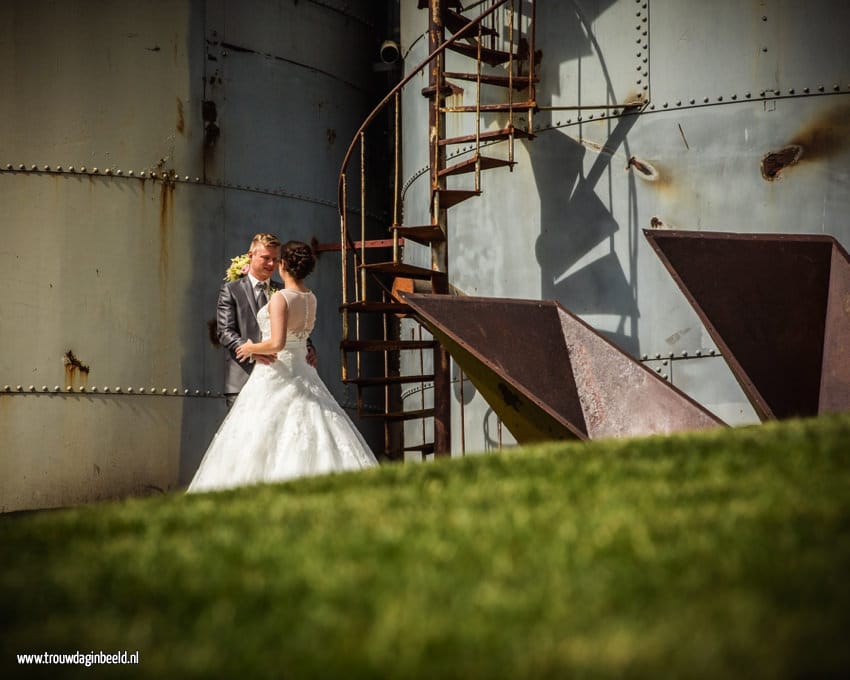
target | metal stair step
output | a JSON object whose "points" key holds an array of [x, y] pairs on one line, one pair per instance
{"points": [[385, 345], [451, 197], [426, 447], [388, 380], [400, 269], [454, 22], [488, 56], [487, 163], [517, 82], [425, 234], [376, 307], [491, 108], [488, 136], [401, 415], [423, 4]]}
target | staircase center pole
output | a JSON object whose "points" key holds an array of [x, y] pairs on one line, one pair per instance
{"points": [[439, 251]]}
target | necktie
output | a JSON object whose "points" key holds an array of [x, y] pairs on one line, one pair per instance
{"points": [[262, 298]]}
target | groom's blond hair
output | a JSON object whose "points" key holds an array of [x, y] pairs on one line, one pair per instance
{"points": [[267, 240]]}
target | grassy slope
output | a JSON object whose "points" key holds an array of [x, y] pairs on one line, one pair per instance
{"points": [[710, 555]]}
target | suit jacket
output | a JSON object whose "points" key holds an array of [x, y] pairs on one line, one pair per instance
{"points": [[236, 322]]}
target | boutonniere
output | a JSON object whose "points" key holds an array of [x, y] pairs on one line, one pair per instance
{"points": [[238, 268]]}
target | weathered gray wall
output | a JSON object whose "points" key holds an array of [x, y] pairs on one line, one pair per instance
{"points": [[726, 83], [123, 271]]}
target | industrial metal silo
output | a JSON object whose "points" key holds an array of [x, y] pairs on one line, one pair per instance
{"points": [[142, 144], [649, 114]]}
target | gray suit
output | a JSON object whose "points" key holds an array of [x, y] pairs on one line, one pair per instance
{"points": [[236, 322]]}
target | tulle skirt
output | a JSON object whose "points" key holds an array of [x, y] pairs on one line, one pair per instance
{"points": [[284, 424]]}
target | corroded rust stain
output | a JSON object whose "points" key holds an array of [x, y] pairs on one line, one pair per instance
{"points": [[74, 369], [651, 172], [166, 222], [826, 136], [643, 168], [773, 163]]}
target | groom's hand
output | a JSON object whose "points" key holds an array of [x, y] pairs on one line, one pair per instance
{"points": [[311, 356], [265, 358]]}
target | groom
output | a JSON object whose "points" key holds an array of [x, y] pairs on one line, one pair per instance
{"points": [[236, 317]]}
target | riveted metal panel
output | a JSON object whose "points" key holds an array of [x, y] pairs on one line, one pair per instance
{"points": [[566, 224], [110, 275], [728, 50], [592, 53]]}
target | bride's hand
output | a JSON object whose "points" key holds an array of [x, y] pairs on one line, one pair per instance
{"points": [[243, 352]]}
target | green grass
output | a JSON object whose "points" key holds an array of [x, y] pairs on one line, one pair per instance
{"points": [[724, 554]]}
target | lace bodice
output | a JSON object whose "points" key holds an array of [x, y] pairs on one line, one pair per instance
{"points": [[301, 315]]}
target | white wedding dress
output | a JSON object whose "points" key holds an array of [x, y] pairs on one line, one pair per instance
{"points": [[284, 423]]}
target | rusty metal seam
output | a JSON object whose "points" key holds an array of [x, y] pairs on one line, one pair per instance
{"points": [[105, 391], [145, 175]]}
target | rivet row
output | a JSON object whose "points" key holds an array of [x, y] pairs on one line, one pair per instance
{"points": [[168, 177], [151, 391], [684, 354]]}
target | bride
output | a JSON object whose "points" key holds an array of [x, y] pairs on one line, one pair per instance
{"points": [[285, 423]]}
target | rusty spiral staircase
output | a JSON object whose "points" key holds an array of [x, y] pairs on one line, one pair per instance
{"points": [[499, 39]]}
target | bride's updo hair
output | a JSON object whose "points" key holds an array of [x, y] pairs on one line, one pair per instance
{"points": [[298, 258]]}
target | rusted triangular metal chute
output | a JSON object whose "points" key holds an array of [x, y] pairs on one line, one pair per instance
{"points": [[777, 305], [548, 375]]}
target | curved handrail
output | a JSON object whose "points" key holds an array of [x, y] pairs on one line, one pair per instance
{"points": [[356, 139]]}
